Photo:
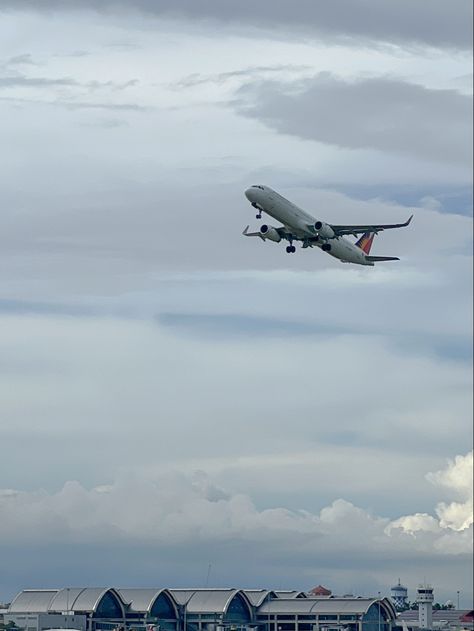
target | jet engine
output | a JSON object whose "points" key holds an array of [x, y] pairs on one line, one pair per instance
{"points": [[269, 232], [324, 230]]}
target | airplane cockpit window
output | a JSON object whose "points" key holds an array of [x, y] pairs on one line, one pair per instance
{"points": [[258, 186]]}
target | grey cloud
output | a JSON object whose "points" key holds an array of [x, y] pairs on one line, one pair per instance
{"points": [[20, 81], [197, 79], [84, 105], [26, 59], [185, 513], [233, 325], [35, 82], [107, 123], [173, 385], [113, 85], [69, 104], [376, 113], [426, 22], [74, 53]]}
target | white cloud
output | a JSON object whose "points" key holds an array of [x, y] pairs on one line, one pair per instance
{"points": [[454, 516], [458, 477], [176, 510], [415, 523]]}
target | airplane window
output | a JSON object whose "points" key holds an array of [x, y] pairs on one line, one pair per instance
{"points": [[257, 186]]}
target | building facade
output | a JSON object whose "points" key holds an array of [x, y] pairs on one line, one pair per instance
{"points": [[326, 614], [111, 609]]}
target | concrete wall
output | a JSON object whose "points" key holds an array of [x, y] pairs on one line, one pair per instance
{"points": [[44, 621]]}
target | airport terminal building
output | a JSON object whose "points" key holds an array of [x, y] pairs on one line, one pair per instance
{"points": [[115, 609]]}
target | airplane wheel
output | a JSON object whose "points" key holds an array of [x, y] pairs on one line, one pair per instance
{"points": [[289, 249], [293, 249]]}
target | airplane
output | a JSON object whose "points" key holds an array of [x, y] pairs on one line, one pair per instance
{"points": [[299, 225]]}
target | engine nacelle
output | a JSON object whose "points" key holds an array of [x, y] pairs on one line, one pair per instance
{"points": [[269, 232], [324, 230]]}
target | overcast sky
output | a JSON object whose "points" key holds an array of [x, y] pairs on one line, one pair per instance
{"points": [[174, 395]]}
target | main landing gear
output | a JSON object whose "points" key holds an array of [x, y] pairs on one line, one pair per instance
{"points": [[290, 249]]}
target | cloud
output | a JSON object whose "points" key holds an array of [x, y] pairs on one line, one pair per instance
{"points": [[458, 477], [23, 59], [455, 516], [99, 372], [185, 514], [197, 79], [97, 105], [406, 22], [377, 113], [20, 81]]}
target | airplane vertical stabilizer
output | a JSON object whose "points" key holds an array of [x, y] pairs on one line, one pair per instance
{"points": [[365, 242]]}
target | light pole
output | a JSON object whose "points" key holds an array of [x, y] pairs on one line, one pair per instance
{"points": [[378, 607], [458, 598]]}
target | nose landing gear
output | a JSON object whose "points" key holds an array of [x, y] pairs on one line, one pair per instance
{"points": [[259, 213], [290, 249]]}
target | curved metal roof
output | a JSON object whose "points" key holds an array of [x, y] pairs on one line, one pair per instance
{"points": [[65, 598], [142, 600], [77, 599], [182, 596], [89, 598], [258, 596], [318, 606], [208, 600], [211, 601], [32, 601], [287, 605], [290, 593]]}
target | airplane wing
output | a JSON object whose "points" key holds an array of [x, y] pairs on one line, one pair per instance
{"points": [[359, 229], [282, 231], [246, 233]]}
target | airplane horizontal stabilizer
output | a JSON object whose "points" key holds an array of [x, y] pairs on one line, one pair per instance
{"points": [[375, 259]]}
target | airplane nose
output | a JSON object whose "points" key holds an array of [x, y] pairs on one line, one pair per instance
{"points": [[249, 194]]}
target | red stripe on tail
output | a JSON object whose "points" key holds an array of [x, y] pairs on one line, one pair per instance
{"points": [[365, 242]]}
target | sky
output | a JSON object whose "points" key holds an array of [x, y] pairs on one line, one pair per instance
{"points": [[174, 396]]}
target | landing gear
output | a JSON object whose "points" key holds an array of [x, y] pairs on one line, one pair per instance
{"points": [[259, 213], [290, 249]]}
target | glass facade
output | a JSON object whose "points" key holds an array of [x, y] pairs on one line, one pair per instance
{"points": [[109, 607], [375, 619], [164, 613], [238, 610]]}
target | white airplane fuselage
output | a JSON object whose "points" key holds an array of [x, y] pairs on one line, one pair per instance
{"points": [[301, 223]]}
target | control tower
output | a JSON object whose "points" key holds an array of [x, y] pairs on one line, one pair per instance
{"points": [[424, 598], [399, 595]]}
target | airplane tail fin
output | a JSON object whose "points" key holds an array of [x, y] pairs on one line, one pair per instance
{"points": [[365, 242]]}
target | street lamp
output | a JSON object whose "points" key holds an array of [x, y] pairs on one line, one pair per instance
{"points": [[378, 607]]}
